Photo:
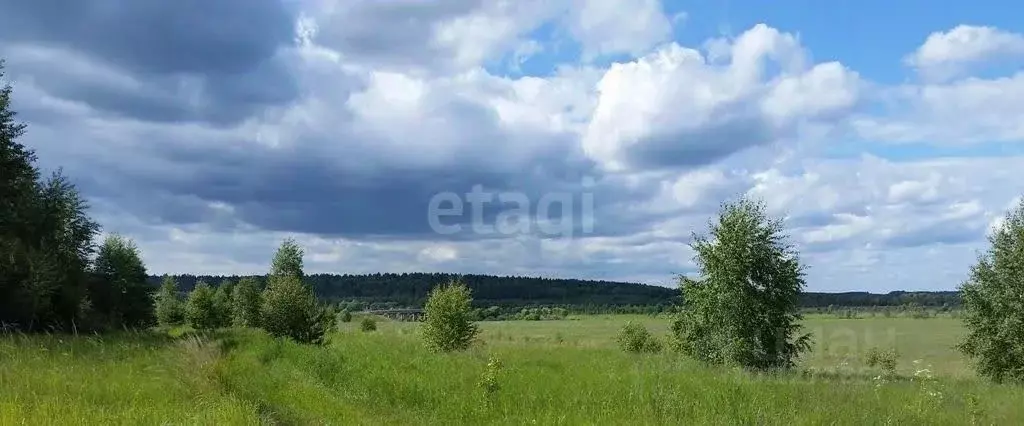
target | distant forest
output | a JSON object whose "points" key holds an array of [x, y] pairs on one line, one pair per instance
{"points": [[386, 290]]}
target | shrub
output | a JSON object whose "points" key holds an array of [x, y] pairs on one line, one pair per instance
{"points": [[447, 322], [883, 360], [168, 305], [201, 310], [345, 316], [743, 310], [635, 338], [489, 381], [992, 297], [368, 324]]}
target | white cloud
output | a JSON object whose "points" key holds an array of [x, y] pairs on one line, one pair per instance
{"points": [[680, 105], [951, 53], [606, 27], [962, 112]]}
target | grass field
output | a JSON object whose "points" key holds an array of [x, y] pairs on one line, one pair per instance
{"points": [[552, 372]]}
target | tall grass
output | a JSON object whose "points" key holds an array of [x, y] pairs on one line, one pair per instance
{"points": [[128, 378], [389, 377]]}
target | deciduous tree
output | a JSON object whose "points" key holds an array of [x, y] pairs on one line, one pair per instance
{"points": [[993, 301], [743, 309]]}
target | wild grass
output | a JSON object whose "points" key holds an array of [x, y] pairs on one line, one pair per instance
{"points": [[541, 372]]}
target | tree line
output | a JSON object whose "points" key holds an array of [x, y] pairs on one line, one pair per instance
{"points": [[54, 274], [384, 290]]}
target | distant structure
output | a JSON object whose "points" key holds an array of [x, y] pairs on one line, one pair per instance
{"points": [[397, 314]]}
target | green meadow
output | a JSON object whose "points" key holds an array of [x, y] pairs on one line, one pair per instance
{"points": [[549, 372]]}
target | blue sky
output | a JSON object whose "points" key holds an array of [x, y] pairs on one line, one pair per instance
{"points": [[887, 134]]}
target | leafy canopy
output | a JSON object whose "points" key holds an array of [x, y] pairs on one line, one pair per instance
{"points": [[993, 301], [447, 323], [743, 309]]}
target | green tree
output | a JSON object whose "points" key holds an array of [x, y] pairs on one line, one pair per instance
{"points": [[993, 302], [222, 302], [168, 305], [743, 310], [246, 301], [119, 289], [288, 260], [290, 308], [45, 237], [201, 309], [447, 322]]}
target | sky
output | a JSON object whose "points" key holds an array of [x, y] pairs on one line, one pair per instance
{"points": [[888, 136]]}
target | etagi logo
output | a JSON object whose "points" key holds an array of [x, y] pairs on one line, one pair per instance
{"points": [[533, 217]]}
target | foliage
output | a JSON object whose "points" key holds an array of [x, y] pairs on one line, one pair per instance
{"points": [[447, 322], [246, 303], [499, 298], [46, 238], [489, 381], [288, 260], [635, 338], [368, 324], [119, 290], [743, 310], [201, 308], [168, 306], [345, 316], [993, 298], [223, 303], [289, 307], [883, 360]]}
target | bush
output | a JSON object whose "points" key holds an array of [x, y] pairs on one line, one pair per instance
{"points": [[635, 338], [201, 310], [368, 324], [992, 297], [168, 304], [743, 310], [883, 360], [345, 316], [447, 322]]}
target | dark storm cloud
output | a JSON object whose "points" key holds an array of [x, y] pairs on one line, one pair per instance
{"points": [[179, 60]]}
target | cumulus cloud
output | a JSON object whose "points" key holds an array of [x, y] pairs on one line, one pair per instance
{"points": [[337, 123], [949, 54], [681, 107]]}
